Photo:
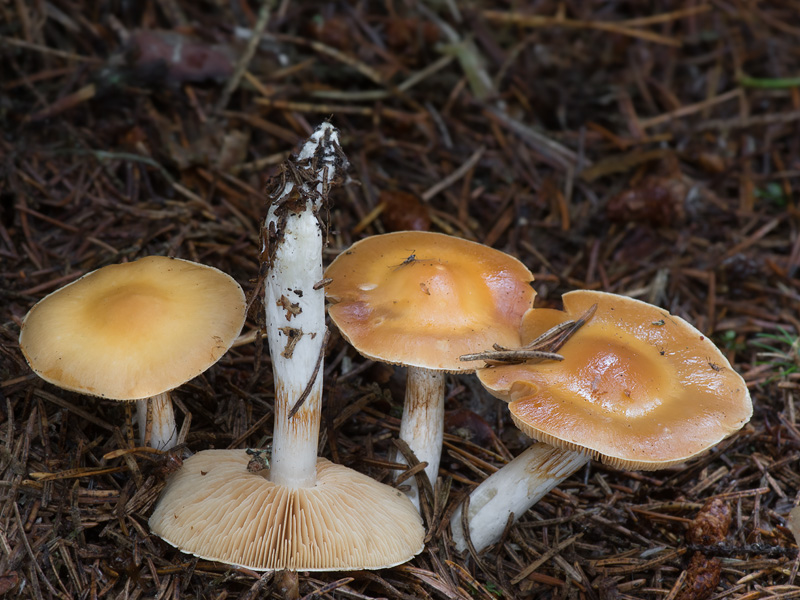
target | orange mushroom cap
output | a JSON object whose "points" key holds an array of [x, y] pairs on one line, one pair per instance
{"points": [[423, 299], [134, 330], [638, 387]]}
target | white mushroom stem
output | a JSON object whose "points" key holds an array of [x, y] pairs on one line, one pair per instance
{"points": [[294, 345], [513, 489], [422, 426], [295, 310], [163, 431]]}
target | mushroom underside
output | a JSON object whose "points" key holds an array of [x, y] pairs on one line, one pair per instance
{"points": [[216, 509]]}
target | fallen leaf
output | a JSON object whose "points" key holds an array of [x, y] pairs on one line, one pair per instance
{"points": [[179, 58]]}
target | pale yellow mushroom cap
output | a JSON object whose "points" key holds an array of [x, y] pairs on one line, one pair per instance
{"points": [[214, 508], [638, 387], [423, 299], [134, 330]]}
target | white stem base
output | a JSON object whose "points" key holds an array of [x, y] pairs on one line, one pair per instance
{"points": [[513, 489], [163, 432], [422, 426]]}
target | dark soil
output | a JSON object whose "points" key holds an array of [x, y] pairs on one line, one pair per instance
{"points": [[647, 149]]}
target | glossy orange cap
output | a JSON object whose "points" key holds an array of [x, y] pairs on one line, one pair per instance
{"points": [[423, 299], [638, 387]]}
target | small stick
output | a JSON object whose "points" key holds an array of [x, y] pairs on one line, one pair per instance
{"points": [[246, 57], [521, 20], [454, 176], [47, 50], [544, 347], [511, 356], [307, 391], [548, 335], [555, 344]]}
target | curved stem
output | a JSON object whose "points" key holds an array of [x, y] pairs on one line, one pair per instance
{"points": [[163, 430], [422, 426], [513, 489]]}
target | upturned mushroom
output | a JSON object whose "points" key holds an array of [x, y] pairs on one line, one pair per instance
{"points": [[638, 388], [294, 511], [135, 331], [421, 300], [221, 507]]}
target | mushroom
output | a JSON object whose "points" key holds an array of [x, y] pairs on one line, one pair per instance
{"points": [[217, 508], [135, 331], [290, 512], [638, 388], [422, 299]]}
